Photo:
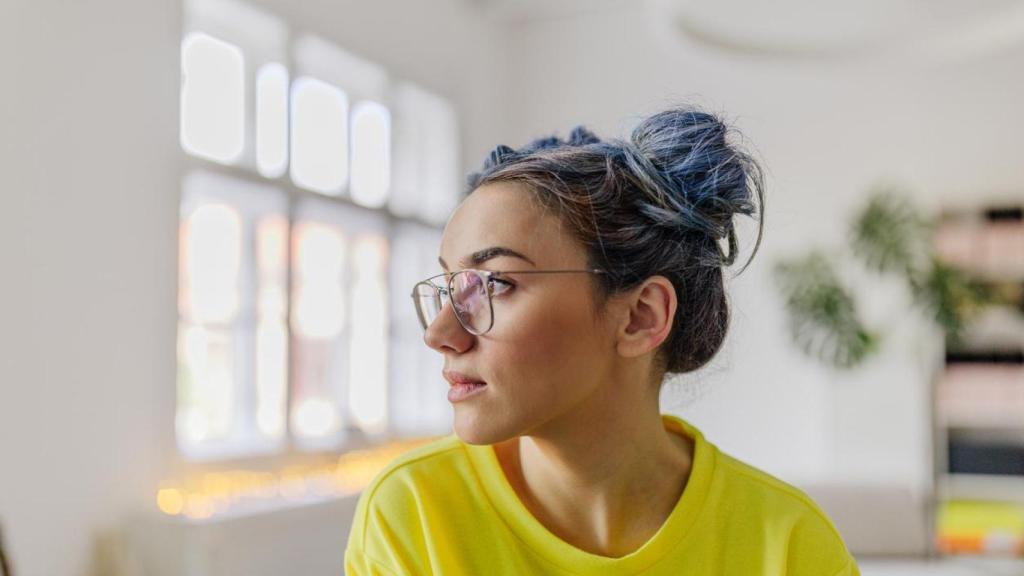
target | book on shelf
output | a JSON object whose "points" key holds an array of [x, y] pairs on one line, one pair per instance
{"points": [[977, 527], [988, 243], [984, 392]]}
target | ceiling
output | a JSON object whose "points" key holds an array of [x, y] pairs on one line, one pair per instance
{"points": [[516, 11], [829, 28], [792, 29]]}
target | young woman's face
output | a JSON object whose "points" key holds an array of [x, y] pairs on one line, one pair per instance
{"points": [[548, 350]]}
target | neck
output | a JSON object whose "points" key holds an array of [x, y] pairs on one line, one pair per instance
{"points": [[604, 477]]}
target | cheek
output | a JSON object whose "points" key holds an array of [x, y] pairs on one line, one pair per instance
{"points": [[547, 351]]}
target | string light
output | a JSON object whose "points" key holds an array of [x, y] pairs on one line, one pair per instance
{"points": [[210, 494]]}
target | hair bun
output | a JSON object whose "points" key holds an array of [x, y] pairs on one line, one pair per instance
{"points": [[498, 155], [697, 180], [581, 136]]}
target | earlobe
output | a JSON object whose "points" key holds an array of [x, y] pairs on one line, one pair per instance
{"points": [[651, 309]]}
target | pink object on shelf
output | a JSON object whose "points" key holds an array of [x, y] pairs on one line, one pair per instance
{"points": [[990, 249], [957, 243], [1004, 249], [982, 396]]}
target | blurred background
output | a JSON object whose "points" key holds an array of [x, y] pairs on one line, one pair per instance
{"points": [[215, 210]]}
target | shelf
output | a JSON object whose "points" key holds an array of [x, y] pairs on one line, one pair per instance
{"points": [[958, 565], [1009, 434], [995, 335], [995, 354], [982, 487], [978, 395], [986, 424]]}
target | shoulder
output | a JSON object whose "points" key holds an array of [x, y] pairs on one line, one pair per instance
{"points": [[401, 488], [811, 539], [757, 483], [417, 462]]}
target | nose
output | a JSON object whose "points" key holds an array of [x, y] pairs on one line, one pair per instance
{"points": [[446, 334]]}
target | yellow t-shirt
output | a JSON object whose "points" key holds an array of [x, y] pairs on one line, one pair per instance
{"points": [[447, 508]]}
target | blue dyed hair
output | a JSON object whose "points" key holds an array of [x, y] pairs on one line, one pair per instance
{"points": [[660, 203]]}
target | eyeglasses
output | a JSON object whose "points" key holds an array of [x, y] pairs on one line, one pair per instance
{"points": [[470, 292]]}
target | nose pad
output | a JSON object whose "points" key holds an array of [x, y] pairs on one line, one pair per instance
{"points": [[447, 332]]}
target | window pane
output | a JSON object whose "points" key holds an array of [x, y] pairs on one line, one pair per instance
{"points": [[419, 405], [371, 151], [426, 180], [319, 270], [212, 98], [271, 329], [319, 136], [206, 383], [368, 376], [272, 120], [210, 259], [439, 171], [318, 318], [232, 339]]}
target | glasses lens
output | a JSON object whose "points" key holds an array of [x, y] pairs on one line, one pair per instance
{"points": [[469, 297], [428, 303]]}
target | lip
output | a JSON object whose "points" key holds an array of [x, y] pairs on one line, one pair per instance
{"points": [[463, 386], [456, 378], [461, 392]]}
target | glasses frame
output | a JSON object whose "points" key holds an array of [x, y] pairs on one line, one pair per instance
{"points": [[443, 293]]}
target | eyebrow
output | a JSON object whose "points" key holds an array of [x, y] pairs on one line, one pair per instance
{"points": [[481, 256]]}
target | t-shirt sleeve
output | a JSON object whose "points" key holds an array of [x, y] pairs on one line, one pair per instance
{"points": [[849, 570], [383, 538], [815, 549], [357, 564]]}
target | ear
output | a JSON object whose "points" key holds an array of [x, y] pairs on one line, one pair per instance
{"points": [[651, 308]]}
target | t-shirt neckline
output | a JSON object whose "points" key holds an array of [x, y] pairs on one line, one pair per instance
{"points": [[572, 559]]}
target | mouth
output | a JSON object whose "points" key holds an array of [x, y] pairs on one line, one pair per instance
{"points": [[463, 386]]}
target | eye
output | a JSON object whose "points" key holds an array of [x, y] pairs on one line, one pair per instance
{"points": [[497, 286]]}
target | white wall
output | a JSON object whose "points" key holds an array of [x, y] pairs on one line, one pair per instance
{"points": [[90, 168], [826, 132]]}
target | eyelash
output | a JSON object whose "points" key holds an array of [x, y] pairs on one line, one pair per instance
{"points": [[501, 281], [506, 283]]}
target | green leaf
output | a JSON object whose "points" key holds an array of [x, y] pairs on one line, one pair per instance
{"points": [[823, 318], [951, 297], [889, 236]]}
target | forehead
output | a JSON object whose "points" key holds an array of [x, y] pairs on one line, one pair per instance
{"points": [[505, 214]]}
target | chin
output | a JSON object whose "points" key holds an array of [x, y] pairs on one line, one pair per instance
{"points": [[477, 430]]}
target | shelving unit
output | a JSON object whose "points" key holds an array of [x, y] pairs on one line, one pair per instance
{"points": [[978, 398], [982, 487]]}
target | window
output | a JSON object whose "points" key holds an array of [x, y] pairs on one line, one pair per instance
{"points": [[368, 370], [212, 98], [232, 339], [425, 146], [319, 133], [371, 163], [416, 408], [305, 220], [272, 120]]}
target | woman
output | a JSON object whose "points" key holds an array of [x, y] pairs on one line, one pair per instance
{"points": [[577, 274]]}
